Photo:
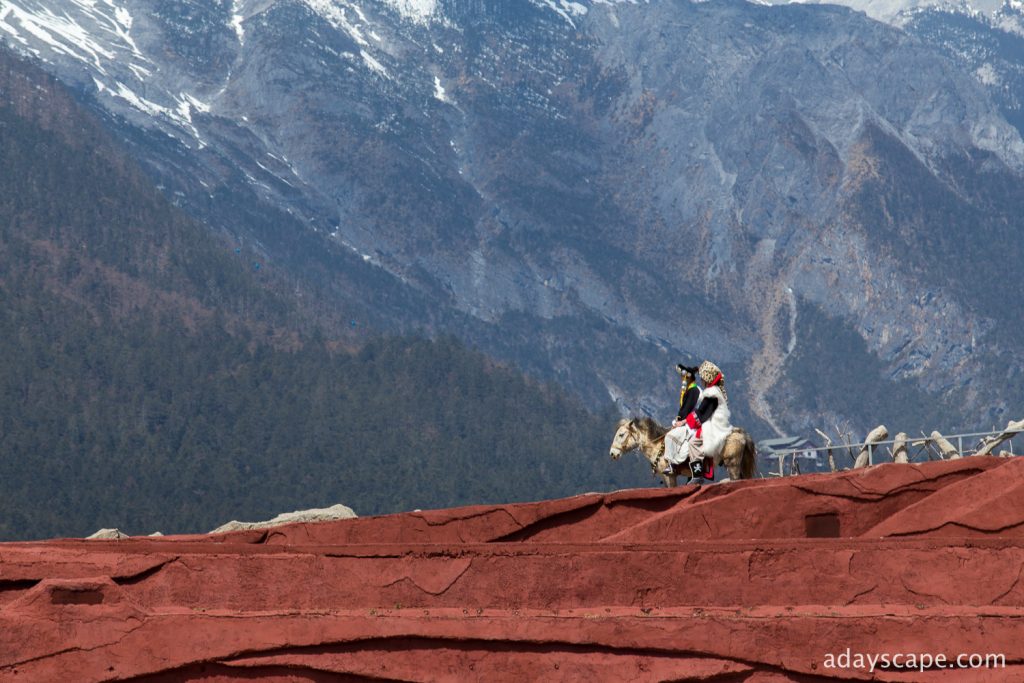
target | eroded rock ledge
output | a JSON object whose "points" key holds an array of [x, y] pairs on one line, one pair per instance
{"points": [[747, 581]]}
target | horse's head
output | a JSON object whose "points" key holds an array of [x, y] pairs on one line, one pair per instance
{"points": [[625, 438]]}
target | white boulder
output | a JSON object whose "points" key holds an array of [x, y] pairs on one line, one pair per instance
{"points": [[331, 514], [107, 535]]}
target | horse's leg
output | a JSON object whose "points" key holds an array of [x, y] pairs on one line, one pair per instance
{"points": [[725, 457], [733, 465], [728, 458], [660, 463]]}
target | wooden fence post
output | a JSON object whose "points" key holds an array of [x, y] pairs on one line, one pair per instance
{"points": [[990, 443], [828, 445], [899, 449], [877, 434], [947, 450]]}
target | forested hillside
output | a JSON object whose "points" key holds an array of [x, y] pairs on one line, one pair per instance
{"points": [[594, 190], [153, 377]]}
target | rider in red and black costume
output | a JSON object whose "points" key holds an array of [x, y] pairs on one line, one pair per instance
{"points": [[710, 422]]}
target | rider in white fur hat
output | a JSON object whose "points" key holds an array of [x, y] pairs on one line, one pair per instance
{"points": [[710, 422]]}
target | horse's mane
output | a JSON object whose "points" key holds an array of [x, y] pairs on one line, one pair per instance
{"points": [[652, 428]]}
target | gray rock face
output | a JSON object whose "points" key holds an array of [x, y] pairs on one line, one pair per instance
{"points": [[822, 204], [108, 535], [331, 514]]}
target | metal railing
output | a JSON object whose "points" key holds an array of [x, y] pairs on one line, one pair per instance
{"points": [[923, 444]]}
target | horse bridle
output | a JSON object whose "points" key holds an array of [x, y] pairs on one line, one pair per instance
{"points": [[637, 447]]}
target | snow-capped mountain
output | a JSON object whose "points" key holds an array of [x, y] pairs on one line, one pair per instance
{"points": [[895, 11], [595, 189]]}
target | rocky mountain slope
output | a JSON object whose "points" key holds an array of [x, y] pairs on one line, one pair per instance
{"points": [[990, 47], [984, 38], [595, 190]]}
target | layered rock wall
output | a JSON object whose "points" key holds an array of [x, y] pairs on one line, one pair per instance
{"points": [[744, 581]]}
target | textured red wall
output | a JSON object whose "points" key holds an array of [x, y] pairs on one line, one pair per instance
{"points": [[745, 581]]}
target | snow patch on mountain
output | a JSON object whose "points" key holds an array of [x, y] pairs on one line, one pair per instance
{"points": [[334, 13], [987, 74], [87, 31], [420, 11], [566, 8], [236, 20], [374, 65], [896, 11], [574, 9], [142, 104], [349, 18], [1010, 17], [439, 91], [179, 115], [62, 34]]}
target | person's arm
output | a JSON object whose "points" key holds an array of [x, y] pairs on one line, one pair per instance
{"points": [[707, 408]]}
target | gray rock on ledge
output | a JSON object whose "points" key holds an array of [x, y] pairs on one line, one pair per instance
{"points": [[107, 535], [331, 514]]}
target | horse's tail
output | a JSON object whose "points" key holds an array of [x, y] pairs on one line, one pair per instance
{"points": [[748, 459]]}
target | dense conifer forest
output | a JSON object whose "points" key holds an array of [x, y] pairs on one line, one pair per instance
{"points": [[156, 377]]}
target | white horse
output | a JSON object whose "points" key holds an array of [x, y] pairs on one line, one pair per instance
{"points": [[643, 433]]}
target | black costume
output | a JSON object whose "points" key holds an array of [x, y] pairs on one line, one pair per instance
{"points": [[707, 409], [688, 401]]}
